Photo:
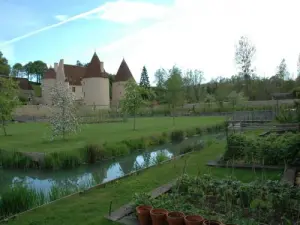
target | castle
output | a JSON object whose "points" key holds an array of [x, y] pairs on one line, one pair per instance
{"points": [[90, 84]]}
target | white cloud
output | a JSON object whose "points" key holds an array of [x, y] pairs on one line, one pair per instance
{"points": [[61, 17], [124, 11], [202, 34]]}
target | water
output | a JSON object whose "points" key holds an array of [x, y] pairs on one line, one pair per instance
{"points": [[89, 175]]}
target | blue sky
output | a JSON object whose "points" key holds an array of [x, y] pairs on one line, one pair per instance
{"points": [[196, 34]]}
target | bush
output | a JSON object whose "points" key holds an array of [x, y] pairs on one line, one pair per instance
{"points": [[270, 150], [177, 135]]}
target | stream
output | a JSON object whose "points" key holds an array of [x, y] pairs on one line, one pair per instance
{"points": [[86, 176]]}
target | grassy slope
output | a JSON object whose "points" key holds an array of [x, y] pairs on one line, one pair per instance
{"points": [[91, 207], [37, 90], [34, 137]]}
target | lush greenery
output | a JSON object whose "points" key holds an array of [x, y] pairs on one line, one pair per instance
{"points": [[90, 207], [8, 100], [230, 201], [101, 150], [272, 149]]}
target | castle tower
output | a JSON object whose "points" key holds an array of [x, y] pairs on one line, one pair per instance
{"points": [[95, 84], [118, 86], [48, 83]]}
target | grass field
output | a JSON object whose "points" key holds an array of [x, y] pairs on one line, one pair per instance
{"points": [[90, 208], [35, 137]]}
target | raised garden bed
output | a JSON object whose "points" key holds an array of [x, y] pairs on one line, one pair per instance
{"points": [[226, 200]]}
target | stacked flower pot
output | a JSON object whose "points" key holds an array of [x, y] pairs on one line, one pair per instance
{"points": [[147, 215]]}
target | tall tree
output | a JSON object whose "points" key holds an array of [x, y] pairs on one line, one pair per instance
{"points": [[63, 119], [244, 54], [16, 70], [174, 90], [132, 99], [161, 77], [4, 66], [144, 81], [39, 68], [8, 100], [28, 69], [282, 72]]}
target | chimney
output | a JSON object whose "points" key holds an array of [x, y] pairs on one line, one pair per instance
{"points": [[60, 71], [55, 67], [101, 67]]}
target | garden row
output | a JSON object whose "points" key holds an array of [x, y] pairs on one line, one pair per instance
{"points": [[92, 153], [224, 201], [272, 149]]}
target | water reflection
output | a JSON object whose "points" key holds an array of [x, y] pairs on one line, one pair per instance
{"points": [[88, 175]]}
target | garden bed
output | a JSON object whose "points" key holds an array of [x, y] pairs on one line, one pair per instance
{"points": [[229, 201]]}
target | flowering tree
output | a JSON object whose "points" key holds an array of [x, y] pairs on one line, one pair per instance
{"points": [[9, 100], [132, 99], [63, 118]]}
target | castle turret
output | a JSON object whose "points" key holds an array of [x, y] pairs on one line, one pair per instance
{"points": [[95, 84], [118, 87], [48, 82]]}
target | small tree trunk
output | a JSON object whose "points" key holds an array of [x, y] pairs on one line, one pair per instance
{"points": [[3, 127]]}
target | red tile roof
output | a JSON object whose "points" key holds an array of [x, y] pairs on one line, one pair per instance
{"points": [[94, 68], [124, 72]]}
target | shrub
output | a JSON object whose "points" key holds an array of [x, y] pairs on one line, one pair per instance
{"points": [[271, 150], [177, 136]]}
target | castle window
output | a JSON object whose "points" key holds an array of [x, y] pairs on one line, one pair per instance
{"points": [[73, 89]]}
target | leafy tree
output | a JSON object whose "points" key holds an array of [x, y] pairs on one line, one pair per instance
{"points": [[144, 81], [209, 99], [63, 119], [244, 54], [16, 70], [132, 99], [39, 68], [8, 100], [192, 83], [28, 69], [282, 70], [235, 98], [174, 90], [78, 63], [4, 66], [161, 77]]}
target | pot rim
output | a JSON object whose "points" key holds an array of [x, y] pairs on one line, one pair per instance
{"points": [[198, 216], [144, 207], [182, 215], [214, 221], [160, 211]]}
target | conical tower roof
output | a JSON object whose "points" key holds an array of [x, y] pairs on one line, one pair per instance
{"points": [[50, 74], [94, 68], [123, 73]]}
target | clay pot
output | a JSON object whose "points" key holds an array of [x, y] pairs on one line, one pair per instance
{"points": [[193, 220], [159, 216], [175, 218], [143, 212], [212, 222]]}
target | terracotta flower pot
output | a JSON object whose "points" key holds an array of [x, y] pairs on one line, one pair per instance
{"points": [[193, 220], [143, 212], [175, 218], [212, 222], [159, 216]]}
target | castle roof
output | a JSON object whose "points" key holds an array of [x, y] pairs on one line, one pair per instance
{"points": [[74, 74], [24, 83], [94, 69], [50, 74], [123, 73]]}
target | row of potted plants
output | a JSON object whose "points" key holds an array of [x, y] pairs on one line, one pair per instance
{"points": [[147, 215]]}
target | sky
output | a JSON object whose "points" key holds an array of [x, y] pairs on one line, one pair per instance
{"points": [[192, 34]]}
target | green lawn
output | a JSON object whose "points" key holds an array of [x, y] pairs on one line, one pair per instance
{"points": [[37, 90], [35, 137], [91, 207]]}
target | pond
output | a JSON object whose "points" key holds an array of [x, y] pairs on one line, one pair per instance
{"points": [[86, 176]]}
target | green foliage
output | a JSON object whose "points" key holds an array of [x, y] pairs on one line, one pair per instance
{"points": [[8, 100], [177, 135], [4, 66], [132, 100], [229, 200], [269, 150], [144, 81]]}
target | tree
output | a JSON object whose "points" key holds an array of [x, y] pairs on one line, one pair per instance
{"points": [[244, 54], [192, 83], [63, 119], [8, 100], [132, 99], [161, 77], [16, 70], [282, 72], [78, 63], [28, 69], [144, 81], [174, 90], [39, 68], [4, 66], [235, 98]]}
